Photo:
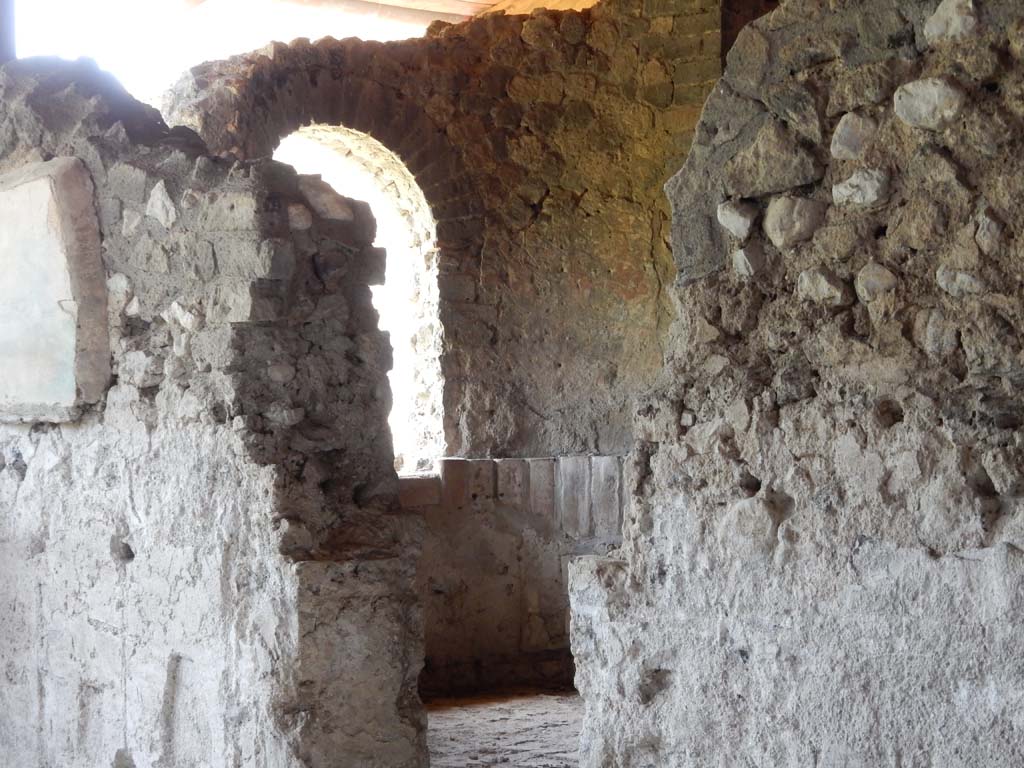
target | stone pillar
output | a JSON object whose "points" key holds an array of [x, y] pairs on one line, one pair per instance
{"points": [[7, 48]]}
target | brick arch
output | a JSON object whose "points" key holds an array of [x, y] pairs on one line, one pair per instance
{"points": [[247, 104], [542, 144]]}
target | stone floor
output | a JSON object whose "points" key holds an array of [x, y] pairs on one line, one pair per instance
{"points": [[527, 730]]}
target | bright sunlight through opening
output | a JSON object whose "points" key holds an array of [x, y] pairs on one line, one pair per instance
{"points": [[360, 167]]}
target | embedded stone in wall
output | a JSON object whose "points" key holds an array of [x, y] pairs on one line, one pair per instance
{"points": [[54, 349], [775, 162]]}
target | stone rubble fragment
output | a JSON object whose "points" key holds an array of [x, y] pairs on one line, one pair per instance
{"points": [[299, 217], [161, 207], [324, 200], [119, 293], [281, 373], [189, 320], [989, 232], [864, 187], [952, 20], [130, 223], [958, 283], [749, 260], [127, 182], [852, 136], [775, 162], [874, 281], [791, 220], [140, 369], [934, 334], [932, 103], [821, 286], [737, 218], [284, 414]]}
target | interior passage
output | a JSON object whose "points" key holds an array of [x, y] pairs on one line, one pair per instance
{"points": [[532, 730]]}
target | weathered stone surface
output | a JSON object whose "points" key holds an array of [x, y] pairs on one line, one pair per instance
{"points": [[864, 85], [774, 162], [54, 348], [299, 217], [932, 103], [952, 20], [852, 136], [864, 187], [821, 512], [209, 567], [493, 729], [791, 220]]}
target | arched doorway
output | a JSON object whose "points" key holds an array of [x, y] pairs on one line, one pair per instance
{"points": [[360, 167]]}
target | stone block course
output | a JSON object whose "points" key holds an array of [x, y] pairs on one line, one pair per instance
{"points": [[572, 484]]}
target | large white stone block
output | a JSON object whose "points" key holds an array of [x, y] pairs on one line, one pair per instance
{"points": [[54, 348]]}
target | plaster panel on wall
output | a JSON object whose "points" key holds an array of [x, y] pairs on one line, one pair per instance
{"points": [[54, 350]]}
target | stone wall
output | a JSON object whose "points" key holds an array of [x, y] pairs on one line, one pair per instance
{"points": [[541, 144], [208, 566], [492, 577], [823, 549]]}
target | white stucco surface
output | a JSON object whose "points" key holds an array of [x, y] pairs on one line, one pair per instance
{"points": [[53, 342]]}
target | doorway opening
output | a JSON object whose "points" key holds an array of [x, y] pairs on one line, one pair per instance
{"points": [[358, 166], [493, 580]]}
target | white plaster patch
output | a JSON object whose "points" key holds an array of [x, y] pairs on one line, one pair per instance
{"points": [[54, 349]]}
